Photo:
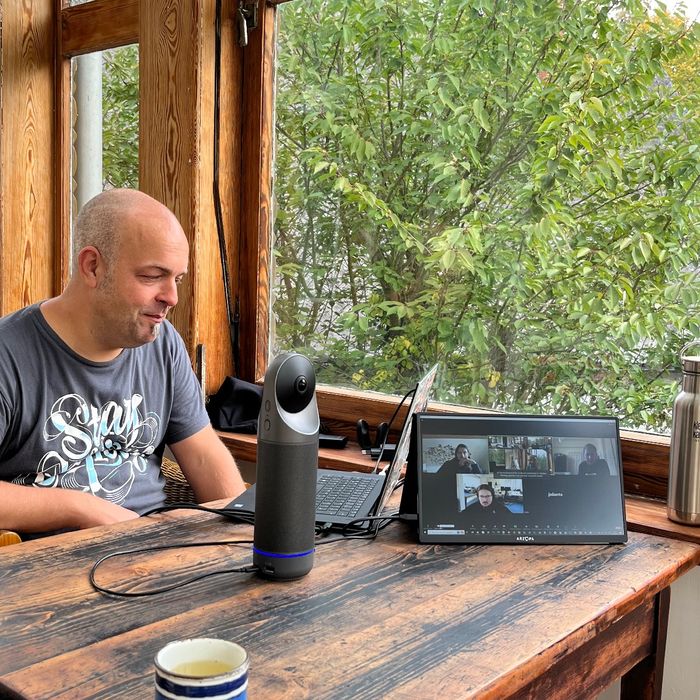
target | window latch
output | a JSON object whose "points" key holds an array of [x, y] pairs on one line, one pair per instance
{"points": [[247, 19]]}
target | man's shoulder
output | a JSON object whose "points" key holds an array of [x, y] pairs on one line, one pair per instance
{"points": [[20, 316], [15, 325]]}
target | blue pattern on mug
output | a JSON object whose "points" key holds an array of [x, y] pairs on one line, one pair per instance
{"points": [[223, 666], [235, 690]]}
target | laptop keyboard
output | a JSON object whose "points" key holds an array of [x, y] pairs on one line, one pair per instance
{"points": [[341, 495]]}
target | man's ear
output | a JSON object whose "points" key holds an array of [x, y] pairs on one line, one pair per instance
{"points": [[90, 265]]}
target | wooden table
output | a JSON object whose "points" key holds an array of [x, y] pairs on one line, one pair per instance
{"points": [[381, 619]]}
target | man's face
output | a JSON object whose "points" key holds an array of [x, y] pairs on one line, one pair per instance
{"points": [[485, 497], [590, 455], [139, 286], [462, 454]]}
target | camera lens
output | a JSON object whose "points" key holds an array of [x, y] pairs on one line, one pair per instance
{"points": [[295, 383]]}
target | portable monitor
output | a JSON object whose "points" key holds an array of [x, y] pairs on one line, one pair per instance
{"points": [[518, 479]]}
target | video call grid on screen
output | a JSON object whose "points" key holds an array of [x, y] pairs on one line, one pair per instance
{"points": [[504, 478]]}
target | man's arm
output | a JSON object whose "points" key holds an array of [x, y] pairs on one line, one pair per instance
{"points": [[208, 466], [31, 509]]}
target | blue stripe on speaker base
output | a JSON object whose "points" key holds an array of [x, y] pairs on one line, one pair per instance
{"points": [[283, 556]]}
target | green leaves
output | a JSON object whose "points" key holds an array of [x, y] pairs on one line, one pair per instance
{"points": [[511, 192], [120, 118], [480, 114]]}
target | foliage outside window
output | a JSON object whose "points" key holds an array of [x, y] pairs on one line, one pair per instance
{"points": [[120, 104], [115, 162], [510, 189]]}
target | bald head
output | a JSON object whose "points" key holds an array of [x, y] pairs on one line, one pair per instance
{"points": [[104, 220]]}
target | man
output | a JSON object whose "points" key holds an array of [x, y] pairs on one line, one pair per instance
{"points": [[461, 463], [95, 382], [592, 464], [487, 510]]}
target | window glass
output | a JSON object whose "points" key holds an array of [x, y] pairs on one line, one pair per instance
{"points": [[509, 189], [105, 92]]}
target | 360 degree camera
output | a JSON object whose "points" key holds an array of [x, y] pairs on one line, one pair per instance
{"points": [[287, 462]]}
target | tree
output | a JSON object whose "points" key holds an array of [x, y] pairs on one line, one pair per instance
{"points": [[508, 188], [120, 117]]}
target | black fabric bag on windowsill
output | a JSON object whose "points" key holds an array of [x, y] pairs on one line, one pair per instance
{"points": [[235, 406]]}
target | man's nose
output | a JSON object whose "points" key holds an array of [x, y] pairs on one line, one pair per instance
{"points": [[168, 293]]}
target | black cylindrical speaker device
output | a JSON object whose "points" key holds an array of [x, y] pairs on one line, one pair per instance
{"points": [[287, 462]]}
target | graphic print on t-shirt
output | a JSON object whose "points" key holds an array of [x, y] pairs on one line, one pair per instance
{"points": [[96, 449]]}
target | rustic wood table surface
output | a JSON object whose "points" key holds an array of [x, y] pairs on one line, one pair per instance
{"points": [[387, 618]]}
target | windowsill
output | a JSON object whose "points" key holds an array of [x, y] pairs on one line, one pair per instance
{"points": [[649, 515], [350, 458], [348, 405]]}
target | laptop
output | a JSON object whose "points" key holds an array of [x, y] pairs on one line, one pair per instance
{"points": [[344, 497], [518, 479]]}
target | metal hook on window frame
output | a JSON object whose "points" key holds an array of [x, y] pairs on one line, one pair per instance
{"points": [[246, 19]]}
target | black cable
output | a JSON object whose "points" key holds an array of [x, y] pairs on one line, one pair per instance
{"points": [[378, 522], [388, 430], [173, 586], [369, 533], [243, 516]]}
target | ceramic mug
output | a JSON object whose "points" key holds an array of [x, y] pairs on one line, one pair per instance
{"points": [[201, 668]]}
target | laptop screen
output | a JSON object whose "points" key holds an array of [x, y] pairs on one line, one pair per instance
{"points": [[419, 403], [519, 479]]}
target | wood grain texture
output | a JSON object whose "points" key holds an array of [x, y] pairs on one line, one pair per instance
{"points": [[646, 459], [214, 328], [244, 447], [27, 153], [99, 25], [210, 324], [382, 619], [257, 126], [642, 683], [62, 170], [169, 145], [648, 515], [178, 96]]}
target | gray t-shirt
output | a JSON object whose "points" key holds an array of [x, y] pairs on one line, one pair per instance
{"points": [[98, 427]]}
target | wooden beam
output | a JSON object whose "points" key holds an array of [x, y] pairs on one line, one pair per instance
{"points": [[169, 128], [62, 168], [27, 153], [98, 25], [177, 90], [257, 124], [226, 180]]}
